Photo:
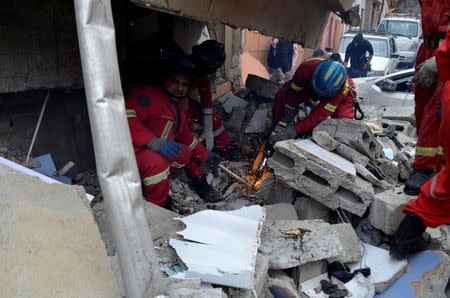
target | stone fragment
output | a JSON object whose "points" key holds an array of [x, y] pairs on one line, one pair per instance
{"points": [[386, 211], [388, 167], [404, 166], [230, 101], [352, 251], [324, 140], [281, 211], [405, 113], [319, 179], [292, 243], [352, 155], [310, 270], [353, 133], [261, 86], [308, 209]]}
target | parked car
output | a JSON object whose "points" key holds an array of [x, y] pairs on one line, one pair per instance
{"points": [[385, 56], [395, 89], [408, 32]]}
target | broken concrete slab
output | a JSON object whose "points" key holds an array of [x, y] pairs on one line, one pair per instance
{"points": [[324, 140], [352, 250], [161, 221], [260, 283], [273, 191], [386, 211], [366, 174], [230, 101], [308, 209], [51, 245], [405, 113], [427, 276], [262, 86], [281, 211], [440, 238], [352, 155], [257, 123], [384, 269], [319, 179], [353, 133], [388, 167], [292, 243], [237, 118], [310, 270]]}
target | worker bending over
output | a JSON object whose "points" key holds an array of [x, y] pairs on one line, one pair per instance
{"points": [[162, 139], [324, 87], [432, 207]]}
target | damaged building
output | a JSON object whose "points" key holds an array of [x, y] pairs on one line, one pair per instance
{"points": [[315, 220]]}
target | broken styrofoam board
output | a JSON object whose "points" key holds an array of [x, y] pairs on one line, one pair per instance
{"points": [[225, 247], [27, 171], [427, 276], [330, 157], [384, 269]]}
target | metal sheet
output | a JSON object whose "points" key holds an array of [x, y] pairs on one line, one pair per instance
{"points": [[116, 164]]}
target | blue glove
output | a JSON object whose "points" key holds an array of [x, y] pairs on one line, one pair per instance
{"points": [[167, 148]]}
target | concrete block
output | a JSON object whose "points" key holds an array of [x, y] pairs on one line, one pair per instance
{"points": [[319, 179], [281, 211], [386, 211], [261, 86], [353, 133], [310, 270], [324, 140], [292, 243], [351, 154], [308, 209], [388, 168], [405, 113], [230, 101], [427, 276], [273, 191], [366, 174], [50, 244], [237, 118], [261, 279], [352, 251]]}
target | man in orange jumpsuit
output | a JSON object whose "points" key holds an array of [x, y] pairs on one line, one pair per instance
{"points": [[207, 57], [428, 160], [161, 136], [432, 207], [320, 83]]}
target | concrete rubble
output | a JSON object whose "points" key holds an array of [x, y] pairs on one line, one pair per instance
{"points": [[261, 86]]}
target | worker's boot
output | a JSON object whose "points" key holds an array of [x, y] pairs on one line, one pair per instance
{"points": [[409, 238], [204, 190], [416, 180]]}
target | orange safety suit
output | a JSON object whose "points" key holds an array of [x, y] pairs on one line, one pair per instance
{"points": [[152, 114]]}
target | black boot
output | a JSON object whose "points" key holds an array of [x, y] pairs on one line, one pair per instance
{"points": [[416, 180], [204, 190], [409, 238]]}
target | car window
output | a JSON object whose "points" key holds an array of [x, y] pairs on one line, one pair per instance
{"points": [[399, 27], [380, 47]]}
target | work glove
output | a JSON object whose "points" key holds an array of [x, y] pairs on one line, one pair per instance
{"points": [[213, 162], [427, 74], [167, 148], [282, 133], [208, 134]]}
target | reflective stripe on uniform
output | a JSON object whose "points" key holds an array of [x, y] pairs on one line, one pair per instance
{"points": [[330, 108], [314, 58], [433, 186], [177, 165], [218, 131], [429, 151], [155, 179], [207, 111], [166, 130], [131, 114], [193, 144], [338, 81], [329, 72], [296, 88]]}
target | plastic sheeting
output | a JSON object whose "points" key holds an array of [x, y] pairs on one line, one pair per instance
{"points": [[116, 164]]}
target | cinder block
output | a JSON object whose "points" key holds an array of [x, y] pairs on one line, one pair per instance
{"points": [[309, 209], [320, 179], [324, 140], [353, 133], [386, 209]]}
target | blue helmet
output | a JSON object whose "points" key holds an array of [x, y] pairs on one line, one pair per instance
{"points": [[328, 78]]}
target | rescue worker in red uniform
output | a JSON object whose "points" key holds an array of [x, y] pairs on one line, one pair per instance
{"points": [[432, 207], [323, 81], [428, 159], [207, 57], [161, 136]]}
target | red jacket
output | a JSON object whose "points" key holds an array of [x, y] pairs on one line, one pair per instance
{"points": [[152, 114], [299, 90], [203, 86], [435, 17]]}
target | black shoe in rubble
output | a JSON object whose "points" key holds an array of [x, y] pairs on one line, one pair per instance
{"points": [[416, 180], [409, 238], [204, 190]]}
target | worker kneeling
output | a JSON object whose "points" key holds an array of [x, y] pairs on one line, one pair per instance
{"points": [[325, 89], [162, 139]]}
